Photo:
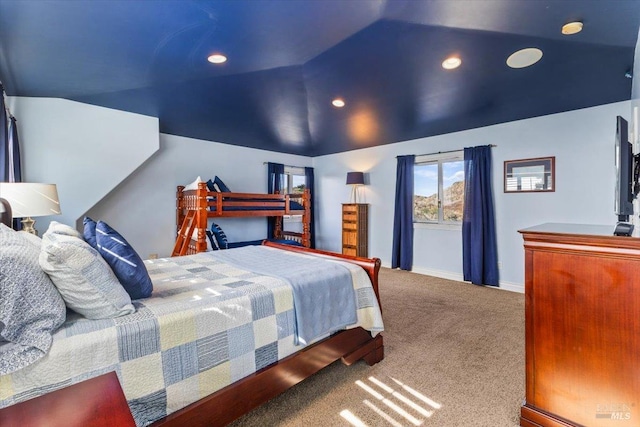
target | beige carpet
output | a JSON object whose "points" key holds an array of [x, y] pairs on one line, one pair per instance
{"points": [[454, 356]]}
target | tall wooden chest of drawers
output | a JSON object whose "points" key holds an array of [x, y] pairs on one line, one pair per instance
{"points": [[355, 217]]}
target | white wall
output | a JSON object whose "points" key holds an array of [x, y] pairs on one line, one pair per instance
{"points": [[582, 142], [104, 164], [84, 149], [142, 208]]}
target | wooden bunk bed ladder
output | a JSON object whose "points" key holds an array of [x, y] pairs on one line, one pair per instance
{"points": [[184, 235], [191, 215]]}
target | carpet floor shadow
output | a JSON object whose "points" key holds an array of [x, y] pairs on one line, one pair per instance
{"points": [[454, 356]]}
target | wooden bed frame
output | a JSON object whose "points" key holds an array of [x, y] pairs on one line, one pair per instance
{"points": [[229, 403], [239, 398], [193, 211]]}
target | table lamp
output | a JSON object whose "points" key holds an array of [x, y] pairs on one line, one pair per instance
{"points": [[30, 200], [355, 179]]}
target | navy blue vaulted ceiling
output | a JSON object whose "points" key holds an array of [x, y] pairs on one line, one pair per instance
{"points": [[288, 59]]}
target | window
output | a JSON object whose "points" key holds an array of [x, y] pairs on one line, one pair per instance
{"points": [[438, 188], [295, 181]]}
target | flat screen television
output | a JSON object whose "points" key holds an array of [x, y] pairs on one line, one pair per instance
{"points": [[623, 203]]}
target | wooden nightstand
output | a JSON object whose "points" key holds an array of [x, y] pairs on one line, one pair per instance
{"points": [[98, 402], [355, 220]]}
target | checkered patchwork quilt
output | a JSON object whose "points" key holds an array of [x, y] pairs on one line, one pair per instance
{"points": [[207, 325]]}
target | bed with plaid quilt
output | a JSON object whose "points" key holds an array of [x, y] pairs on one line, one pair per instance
{"points": [[209, 323]]}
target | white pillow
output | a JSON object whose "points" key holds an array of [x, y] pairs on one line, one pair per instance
{"points": [[193, 185], [194, 236], [83, 278]]}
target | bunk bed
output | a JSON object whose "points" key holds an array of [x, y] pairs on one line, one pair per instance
{"points": [[179, 281], [195, 207]]}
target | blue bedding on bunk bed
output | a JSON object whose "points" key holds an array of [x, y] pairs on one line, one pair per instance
{"points": [[216, 185], [293, 206], [218, 240], [259, 242]]}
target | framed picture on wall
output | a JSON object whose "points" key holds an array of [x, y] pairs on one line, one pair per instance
{"points": [[530, 175]]}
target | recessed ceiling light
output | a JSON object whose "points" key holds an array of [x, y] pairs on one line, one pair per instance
{"points": [[451, 63], [524, 57], [217, 58], [572, 28], [338, 102]]}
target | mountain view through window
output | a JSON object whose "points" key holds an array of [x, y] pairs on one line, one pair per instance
{"points": [[438, 191]]}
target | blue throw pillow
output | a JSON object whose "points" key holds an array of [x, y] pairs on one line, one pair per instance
{"points": [[220, 186], [89, 232], [220, 237], [213, 241], [124, 261]]}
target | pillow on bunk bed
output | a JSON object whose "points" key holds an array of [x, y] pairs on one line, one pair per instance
{"points": [[31, 308], [124, 261], [193, 185], [83, 278], [210, 243], [218, 185], [219, 237], [286, 242], [213, 243], [295, 206]]}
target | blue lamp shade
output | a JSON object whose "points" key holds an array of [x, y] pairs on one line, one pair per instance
{"points": [[355, 178]]}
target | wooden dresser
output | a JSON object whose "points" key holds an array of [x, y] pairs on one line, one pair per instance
{"points": [[582, 309], [355, 218]]}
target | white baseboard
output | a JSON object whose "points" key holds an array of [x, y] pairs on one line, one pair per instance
{"points": [[439, 273], [505, 286], [513, 287]]}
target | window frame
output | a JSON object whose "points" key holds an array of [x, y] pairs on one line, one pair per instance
{"points": [[438, 159]]}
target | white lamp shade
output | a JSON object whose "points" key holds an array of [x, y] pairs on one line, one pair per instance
{"points": [[31, 199]]}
